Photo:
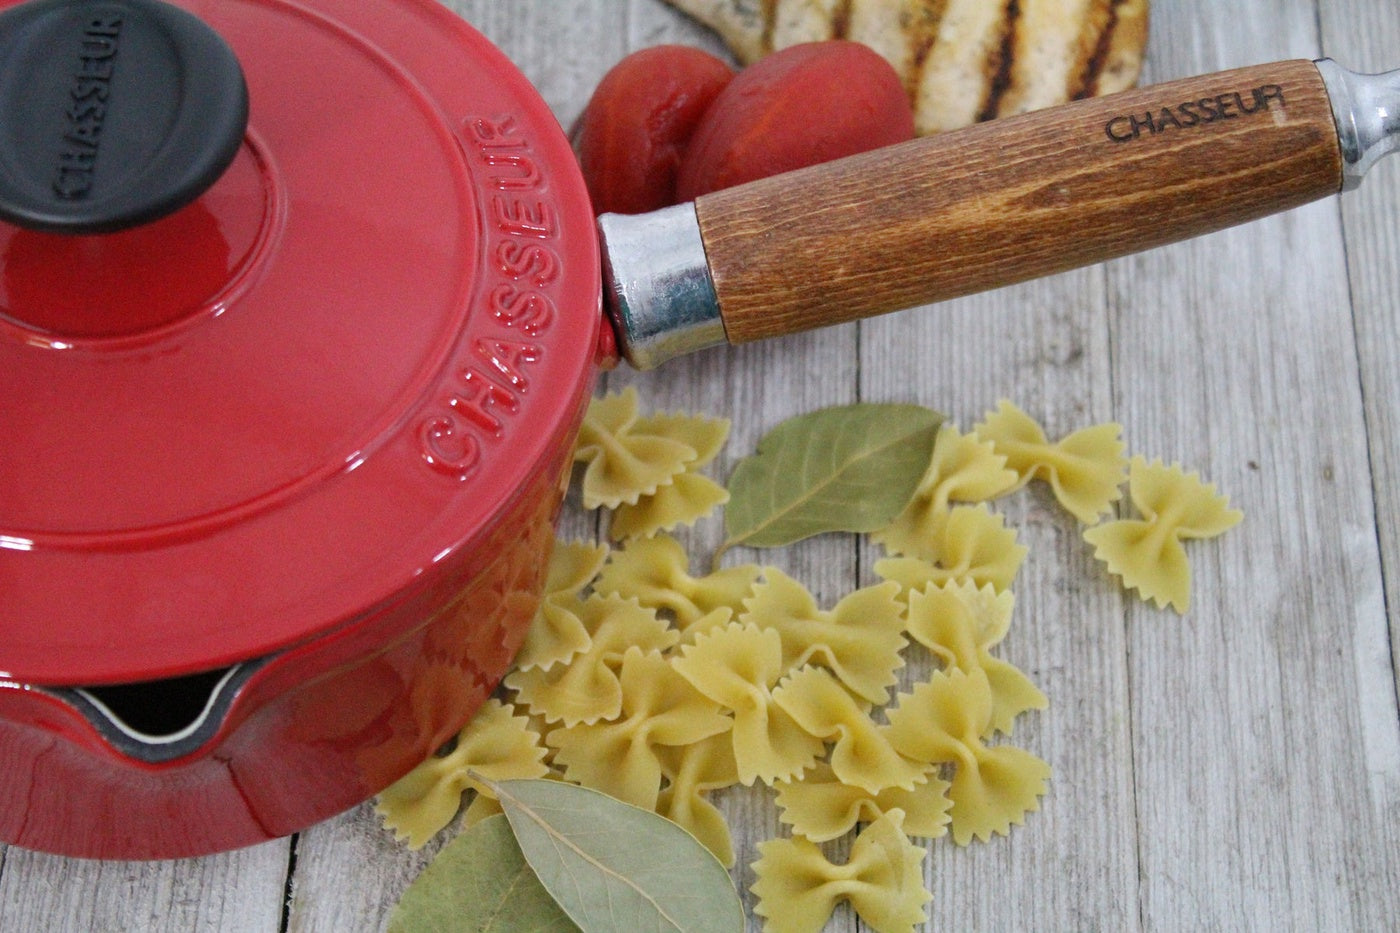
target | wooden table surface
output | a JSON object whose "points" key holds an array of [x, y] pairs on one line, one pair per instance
{"points": [[1237, 768]]}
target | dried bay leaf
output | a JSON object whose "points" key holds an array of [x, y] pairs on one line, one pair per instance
{"points": [[479, 883], [613, 866], [851, 468]]}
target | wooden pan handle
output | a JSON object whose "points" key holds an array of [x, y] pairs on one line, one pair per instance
{"points": [[1017, 198]]}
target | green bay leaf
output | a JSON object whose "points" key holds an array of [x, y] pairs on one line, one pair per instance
{"points": [[851, 468], [613, 866], [479, 883]]}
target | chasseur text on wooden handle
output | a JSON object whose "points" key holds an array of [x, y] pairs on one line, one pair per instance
{"points": [[993, 204]]}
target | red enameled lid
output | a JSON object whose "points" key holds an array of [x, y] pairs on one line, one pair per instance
{"points": [[253, 420]]}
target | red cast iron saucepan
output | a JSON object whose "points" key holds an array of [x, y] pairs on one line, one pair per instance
{"points": [[300, 308]]}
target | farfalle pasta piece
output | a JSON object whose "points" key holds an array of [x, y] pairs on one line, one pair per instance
{"points": [[738, 667], [624, 462], [706, 436], [496, 744], [1147, 553], [692, 771], [656, 572], [714, 619], [619, 757], [960, 624], [942, 722], [861, 755], [540, 726], [587, 688], [1085, 469], [883, 880], [859, 640], [963, 469], [975, 546], [822, 807], [689, 496], [556, 633]]}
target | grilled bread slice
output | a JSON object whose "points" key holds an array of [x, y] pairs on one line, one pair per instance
{"points": [[961, 60]]}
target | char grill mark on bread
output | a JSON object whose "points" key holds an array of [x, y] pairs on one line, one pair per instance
{"points": [[1000, 65], [961, 61]]}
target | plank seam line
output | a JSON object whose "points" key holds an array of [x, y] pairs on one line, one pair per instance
{"points": [[1368, 427], [289, 888], [1114, 309]]}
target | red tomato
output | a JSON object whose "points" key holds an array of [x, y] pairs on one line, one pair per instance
{"points": [[631, 136], [800, 106]]}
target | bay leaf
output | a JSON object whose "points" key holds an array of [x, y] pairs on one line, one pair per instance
{"points": [[614, 867], [850, 468], [479, 883]]}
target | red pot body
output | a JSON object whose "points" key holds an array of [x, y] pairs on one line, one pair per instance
{"points": [[318, 729], [330, 449]]}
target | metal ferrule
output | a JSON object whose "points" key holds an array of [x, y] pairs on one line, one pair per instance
{"points": [[657, 286], [1367, 110]]}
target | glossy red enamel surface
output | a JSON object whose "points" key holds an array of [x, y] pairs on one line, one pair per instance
{"points": [[260, 421], [315, 731]]}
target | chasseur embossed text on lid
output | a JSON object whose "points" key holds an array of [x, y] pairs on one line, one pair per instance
{"points": [[112, 113], [88, 94]]}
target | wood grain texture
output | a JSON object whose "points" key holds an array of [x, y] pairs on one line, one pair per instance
{"points": [[1014, 199], [1240, 360], [233, 892], [1362, 36], [1237, 768]]}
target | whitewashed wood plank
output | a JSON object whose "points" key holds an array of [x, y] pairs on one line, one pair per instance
{"points": [[236, 892], [653, 22], [1235, 354], [349, 873], [1362, 36], [563, 46]]}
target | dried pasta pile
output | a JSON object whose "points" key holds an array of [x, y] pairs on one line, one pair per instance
{"points": [[658, 686]]}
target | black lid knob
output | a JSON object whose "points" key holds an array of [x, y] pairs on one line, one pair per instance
{"points": [[113, 113]]}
